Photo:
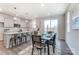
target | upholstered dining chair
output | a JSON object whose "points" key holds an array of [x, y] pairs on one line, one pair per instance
{"points": [[53, 42], [37, 43], [35, 32]]}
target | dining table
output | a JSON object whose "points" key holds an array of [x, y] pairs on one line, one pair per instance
{"points": [[47, 37]]}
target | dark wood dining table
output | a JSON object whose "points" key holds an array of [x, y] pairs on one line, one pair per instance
{"points": [[47, 38]]}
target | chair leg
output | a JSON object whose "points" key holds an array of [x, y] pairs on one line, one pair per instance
{"points": [[40, 51], [54, 48], [32, 50], [44, 49], [10, 43]]}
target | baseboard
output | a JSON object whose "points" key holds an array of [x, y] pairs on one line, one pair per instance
{"points": [[72, 50], [62, 39]]}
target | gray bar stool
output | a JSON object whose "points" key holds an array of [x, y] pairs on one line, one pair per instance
{"points": [[24, 37], [18, 39], [12, 42]]}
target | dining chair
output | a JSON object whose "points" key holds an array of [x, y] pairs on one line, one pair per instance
{"points": [[53, 42], [37, 43], [35, 32]]}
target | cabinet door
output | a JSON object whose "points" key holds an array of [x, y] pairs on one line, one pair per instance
{"points": [[23, 24], [1, 33], [8, 23], [1, 19]]}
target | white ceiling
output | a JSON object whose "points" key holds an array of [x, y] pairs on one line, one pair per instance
{"points": [[25, 10]]}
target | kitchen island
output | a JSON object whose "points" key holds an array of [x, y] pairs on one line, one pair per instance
{"points": [[8, 35]]}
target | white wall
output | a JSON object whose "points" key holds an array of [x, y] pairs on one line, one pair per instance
{"points": [[40, 24], [72, 37], [61, 27]]}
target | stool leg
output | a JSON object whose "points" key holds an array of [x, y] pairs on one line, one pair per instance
{"points": [[20, 41], [25, 39], [32, 50], [15, 42], [9, 43], [40, 51], [44, 49], [12, 43]]}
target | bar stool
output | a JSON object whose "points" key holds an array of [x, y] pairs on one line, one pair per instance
{"points": [[12, 42], [24, 37], [18, 39]]}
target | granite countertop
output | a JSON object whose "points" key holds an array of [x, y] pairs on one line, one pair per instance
{"points": [[16, 32]]}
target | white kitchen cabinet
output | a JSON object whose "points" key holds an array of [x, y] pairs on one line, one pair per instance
{"points": [[17, 21], [8, 23], [1, 19], [23, 23], [1, 30]]}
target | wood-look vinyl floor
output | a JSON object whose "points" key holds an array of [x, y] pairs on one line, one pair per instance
{"points": [[26, 49]]}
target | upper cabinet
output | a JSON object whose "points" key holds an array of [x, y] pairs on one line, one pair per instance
{"points": [[23, 23], [1, 19], [7, 20], [17, 21], [8, 23]]}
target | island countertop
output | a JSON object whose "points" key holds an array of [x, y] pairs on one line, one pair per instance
{"points": [[8, 35], [17, 32]]}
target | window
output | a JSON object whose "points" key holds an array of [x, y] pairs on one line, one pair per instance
{"points": [[53, 23], [68, 22], [50, 25], [47, 25], [34, 24]]}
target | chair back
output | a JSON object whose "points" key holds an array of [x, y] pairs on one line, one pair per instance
{"points": [[36, 40], [35, 32], [54, 37], [49, 32]]}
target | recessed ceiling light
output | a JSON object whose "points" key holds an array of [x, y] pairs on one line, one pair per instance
{"points": [[42, 5], [14, 18], [35, 16], [26, 21], [48, 13], [0, 9]]}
